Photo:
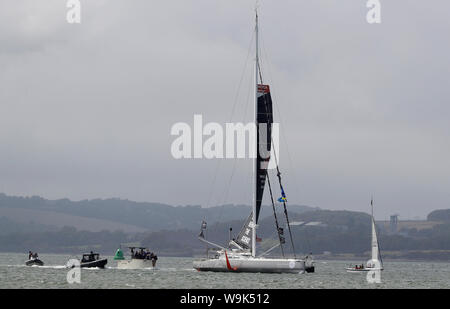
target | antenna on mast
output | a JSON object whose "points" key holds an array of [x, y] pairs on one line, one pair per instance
{"points": [[371, 204]]}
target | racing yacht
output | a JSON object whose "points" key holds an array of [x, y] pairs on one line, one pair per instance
{"points": [[240, 255]]}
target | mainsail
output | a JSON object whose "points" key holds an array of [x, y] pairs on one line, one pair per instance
{"points": [[376, 256], [375, 249], [264, 122]]}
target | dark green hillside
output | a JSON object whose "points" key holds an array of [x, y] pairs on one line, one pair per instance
{"points": [[439, 215]]}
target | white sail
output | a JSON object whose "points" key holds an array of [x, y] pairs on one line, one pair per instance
{"points": [[375, 249], [375, 262]]}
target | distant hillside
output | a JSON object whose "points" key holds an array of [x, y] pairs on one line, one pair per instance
{"points": [[317, 231], [55, 219], [313, 231], [439, 215], [117, 214], [8, 226], [64, 240], [337, 232]]}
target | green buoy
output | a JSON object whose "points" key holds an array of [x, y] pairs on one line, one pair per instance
{"points": [[119, 255]]}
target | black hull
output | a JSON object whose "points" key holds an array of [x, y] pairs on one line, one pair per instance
{"points": [[36, 262], [309, 269], [98, 263]]}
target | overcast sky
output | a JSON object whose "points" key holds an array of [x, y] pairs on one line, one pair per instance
{"points": [[86, 109]]}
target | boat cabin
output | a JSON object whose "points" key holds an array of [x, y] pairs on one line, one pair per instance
{"points": [[142, 253], [89, 257]]}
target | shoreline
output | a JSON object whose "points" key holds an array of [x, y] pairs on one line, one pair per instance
{"points": [[317, 257]]}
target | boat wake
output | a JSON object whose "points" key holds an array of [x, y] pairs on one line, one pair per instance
{"points": [[145, 268], [51, 266], [37, 266]]}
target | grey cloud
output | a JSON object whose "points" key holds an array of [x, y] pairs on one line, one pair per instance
{"points": [[86, 110]]}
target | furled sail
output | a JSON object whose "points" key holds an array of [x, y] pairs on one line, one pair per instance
{"points": [[264, 122]]}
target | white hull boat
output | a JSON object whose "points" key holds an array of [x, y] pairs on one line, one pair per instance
{"points": [[134, 264], [240, 253], [247, 263]]}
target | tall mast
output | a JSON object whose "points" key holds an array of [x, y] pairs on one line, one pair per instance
{"points": [[371, 204], [255, 168]]}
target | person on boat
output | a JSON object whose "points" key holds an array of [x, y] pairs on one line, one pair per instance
{"points": [[154, 258], [30, 255], [35, 255]]}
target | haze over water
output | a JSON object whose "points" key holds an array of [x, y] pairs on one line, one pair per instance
{"points": [[172, 273]]}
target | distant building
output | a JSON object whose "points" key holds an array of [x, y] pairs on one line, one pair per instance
{"points": [[394, 224]]}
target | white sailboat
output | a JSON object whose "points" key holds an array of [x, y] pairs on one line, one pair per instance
{"points": [[240, 254], [376, 262]]}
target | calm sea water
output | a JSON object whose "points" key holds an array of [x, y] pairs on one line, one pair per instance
{"points": [[174, 272]]}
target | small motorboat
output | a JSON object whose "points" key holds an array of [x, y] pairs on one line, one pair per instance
{"points": [[34, 261], [91, 260], [140, 259]]}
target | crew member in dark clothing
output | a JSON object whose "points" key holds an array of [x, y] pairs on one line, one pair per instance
{"points": [[154, 258]]}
